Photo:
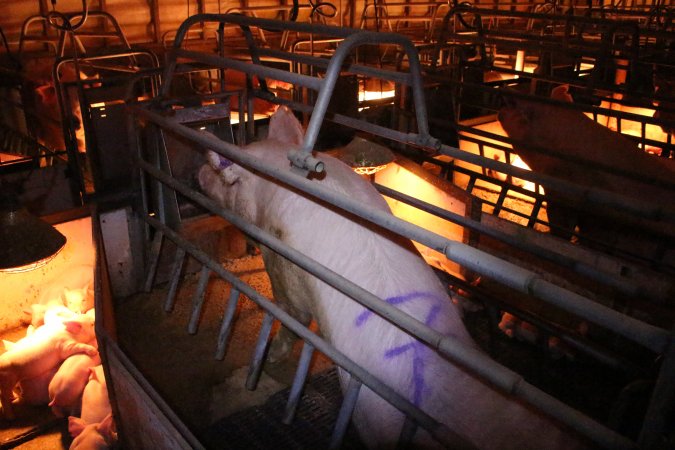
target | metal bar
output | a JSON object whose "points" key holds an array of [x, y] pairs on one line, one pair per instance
{"points": [[590, 194], [407, 433], [198, 299], [325, 86], [657, 422], [175, 279], [346, 410], [506, 142], [298, 382], [473, 259], [269, 24], [250, 68], [438, 430], [471, 358], [396, 77], [333, 71], [255, 369], [226, 325], [521, 242], [149, 390], [153, 260]]}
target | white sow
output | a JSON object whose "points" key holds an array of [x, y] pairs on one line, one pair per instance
{"points": [[390, 268]]}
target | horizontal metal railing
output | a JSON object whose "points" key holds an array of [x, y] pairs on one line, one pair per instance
{"points": [[525, 281], [522, 280]]}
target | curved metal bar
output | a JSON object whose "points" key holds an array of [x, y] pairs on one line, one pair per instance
{"points": [[352, 38], [333, 71]]}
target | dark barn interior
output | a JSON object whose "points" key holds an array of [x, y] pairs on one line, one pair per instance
{"points": [[467, 242]]}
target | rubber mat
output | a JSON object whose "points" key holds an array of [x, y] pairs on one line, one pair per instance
{"points": [[260, 427]]}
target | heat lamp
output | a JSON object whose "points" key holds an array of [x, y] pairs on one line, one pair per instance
{"points": [[26, 241], [363, 156]]}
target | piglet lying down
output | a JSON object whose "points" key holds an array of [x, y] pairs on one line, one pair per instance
{"points": [[388, 267]]}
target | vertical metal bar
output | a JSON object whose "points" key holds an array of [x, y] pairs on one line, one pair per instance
{"points": [[155, 20], [226, 325], [500, 200], [535, 212], [244, 126], [298, 382], [408, 431], [345, 414], [656, 423], [175, 278], [259, 354], [153, 257], [471, 184], [198, 299]]}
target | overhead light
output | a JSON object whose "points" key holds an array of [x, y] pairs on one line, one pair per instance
{"points": [[363, 156], [26, 242]]}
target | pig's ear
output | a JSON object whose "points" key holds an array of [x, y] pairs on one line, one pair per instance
{"points": [[75, 426], [73, 326], [562, 93], [47, 92], [285, 127], [93, 374], [106, 428], [222, 166]]}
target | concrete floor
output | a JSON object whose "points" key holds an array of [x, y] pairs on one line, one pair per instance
{"points": [[201, 389]]}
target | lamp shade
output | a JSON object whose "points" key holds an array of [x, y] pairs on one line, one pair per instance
{"points": [[363, 156], [26, 242]]}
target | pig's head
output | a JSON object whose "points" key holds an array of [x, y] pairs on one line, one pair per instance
{"points": [[233, 186], [47, 103], [92, 436], [515, 116], [81, 328], [79, 300], [522, 118]]}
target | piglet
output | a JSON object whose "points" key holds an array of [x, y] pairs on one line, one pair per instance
{"points": [[387, 266], [40, 352], [93, 436], [67, 386], [35, 391], [95, 402]]}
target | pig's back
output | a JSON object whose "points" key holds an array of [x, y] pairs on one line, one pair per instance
{"points": [[391, 269]]}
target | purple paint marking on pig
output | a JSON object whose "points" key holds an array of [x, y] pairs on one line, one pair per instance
{"points": [[224, 162], [419, 385], [471, 408], [361, 319]]}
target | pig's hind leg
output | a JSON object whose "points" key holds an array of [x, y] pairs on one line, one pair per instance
{"points": [[290, 293], [7, 383]]}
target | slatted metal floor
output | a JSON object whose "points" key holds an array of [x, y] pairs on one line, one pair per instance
{"points": [[260, 427]]}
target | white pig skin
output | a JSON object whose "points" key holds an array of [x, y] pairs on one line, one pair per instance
{"points": [[42, 350], [95, 402], [93, 436], [390, 268], [67, 386]]}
